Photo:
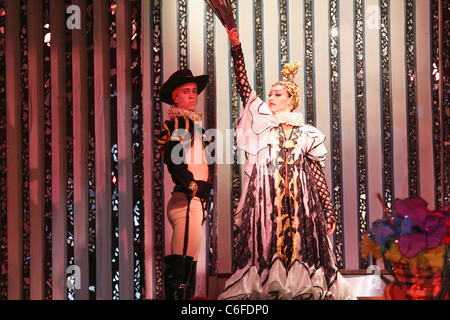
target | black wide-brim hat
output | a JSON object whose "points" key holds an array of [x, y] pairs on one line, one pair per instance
{"points": [[180, 78]]}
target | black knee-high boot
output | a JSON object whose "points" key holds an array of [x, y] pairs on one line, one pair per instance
{"points": [[192, 281], [176, 276]]}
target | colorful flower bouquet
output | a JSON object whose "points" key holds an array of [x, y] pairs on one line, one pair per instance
{"points": [[414, 244]]}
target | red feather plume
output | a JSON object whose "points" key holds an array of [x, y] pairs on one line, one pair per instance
{"points": [[222, 9]]}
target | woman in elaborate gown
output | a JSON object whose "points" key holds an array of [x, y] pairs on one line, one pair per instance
{"points": [[285, 213]]}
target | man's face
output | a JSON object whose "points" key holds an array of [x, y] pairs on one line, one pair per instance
{"points": [[187, 97]]}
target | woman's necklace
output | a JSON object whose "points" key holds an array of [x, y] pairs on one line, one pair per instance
{"points": [[288, 143]]}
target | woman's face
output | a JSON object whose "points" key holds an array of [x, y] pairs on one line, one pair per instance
{"points": [[279, 99]]}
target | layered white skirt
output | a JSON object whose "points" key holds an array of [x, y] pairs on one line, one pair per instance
{"points": [[300, 283]]}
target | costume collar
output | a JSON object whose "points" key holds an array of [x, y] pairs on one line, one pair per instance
{"points": [[177, 112], [290, 118]]}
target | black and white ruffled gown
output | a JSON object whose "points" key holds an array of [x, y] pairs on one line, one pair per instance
{"points": [[282, 250]]}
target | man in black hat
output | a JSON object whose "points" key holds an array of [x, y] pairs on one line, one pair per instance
{"points": [[183, 144]]}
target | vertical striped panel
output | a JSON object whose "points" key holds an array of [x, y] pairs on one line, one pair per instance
{"points": [[445, 91], [386, 52], [373, 48], [3, 160], [102, 151], [321, 75], [349, 132], [195, 46], [170, 64], [114, 152], [47, 219], [436, 81], [158, 220], [309, 62], [411, 78], [247, 37], [397, 117], [91, 148], [336, 130], [424, 115], [137, 148], [14, 152], [361, 118], [297, 45], [25, 126], [148, 150], [126, 261], [36, 155], [48, 152], [284, 44], [270, 45], [259, 50], [59, 151], [80, 151], [182, 35], [69, 236]]}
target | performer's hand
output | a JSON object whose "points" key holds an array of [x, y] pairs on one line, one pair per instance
{"points": [[331, 228], [233, 35]]}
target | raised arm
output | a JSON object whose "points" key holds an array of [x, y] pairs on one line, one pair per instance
{"points": [[242, 83]]}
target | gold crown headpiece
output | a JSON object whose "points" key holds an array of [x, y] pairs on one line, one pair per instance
{"points": [[287, 80], [290, 71]]}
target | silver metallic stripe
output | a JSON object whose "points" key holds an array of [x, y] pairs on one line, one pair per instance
{"points": [[25, 113], [446, 98], [337, 192], [284, 45], [411, 96], [309, 62], [386, 105], [436, 79], [157, 159], [182, 35], [361, 122]]}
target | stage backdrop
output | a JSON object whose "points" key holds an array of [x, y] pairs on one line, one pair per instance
{"points": [[83, 190]]}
